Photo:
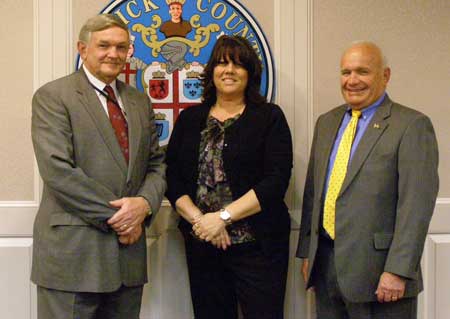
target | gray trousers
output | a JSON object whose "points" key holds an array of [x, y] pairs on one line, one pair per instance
{"points": [[330, 304], [125, 303]]}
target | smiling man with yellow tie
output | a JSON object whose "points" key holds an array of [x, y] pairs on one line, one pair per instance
{"points": [[369, 196]]}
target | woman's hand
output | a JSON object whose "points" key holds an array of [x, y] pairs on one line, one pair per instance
{"points": [[209, 226], [221, 241]]}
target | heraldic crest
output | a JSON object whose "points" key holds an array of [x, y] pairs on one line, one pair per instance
{"points": [[175, 46], [171, 41]]}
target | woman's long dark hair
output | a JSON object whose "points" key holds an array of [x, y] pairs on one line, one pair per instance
{"points": [[238, 50]]}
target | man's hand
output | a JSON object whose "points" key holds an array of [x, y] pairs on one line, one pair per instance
{"points": [[390, 287], [209, 226], [132, 237], [132, 212], [305, 269]]}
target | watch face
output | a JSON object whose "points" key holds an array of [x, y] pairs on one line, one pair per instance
{"points": [[225, 215]]}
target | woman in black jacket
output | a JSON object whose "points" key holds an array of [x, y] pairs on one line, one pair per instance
{"points": [[229, 162]]}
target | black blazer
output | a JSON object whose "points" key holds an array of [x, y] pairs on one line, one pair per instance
{"points": [[257, 155]]}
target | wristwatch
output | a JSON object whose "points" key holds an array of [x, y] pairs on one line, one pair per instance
{"points": [[225, 216]]}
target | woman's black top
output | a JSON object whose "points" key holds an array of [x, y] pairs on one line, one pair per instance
{"points": [[257, 154]]}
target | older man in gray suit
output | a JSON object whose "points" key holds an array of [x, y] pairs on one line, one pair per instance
{"points": [[97, 150], [369, 196]]}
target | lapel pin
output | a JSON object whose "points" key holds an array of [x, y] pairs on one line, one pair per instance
{"points": [[376, 125]]}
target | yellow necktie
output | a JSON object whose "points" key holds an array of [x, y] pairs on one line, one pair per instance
{"points": [[338, 174]]}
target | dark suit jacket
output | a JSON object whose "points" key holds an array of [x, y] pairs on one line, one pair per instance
{"points": [[83, 168], [385, 204], [257, 155]]}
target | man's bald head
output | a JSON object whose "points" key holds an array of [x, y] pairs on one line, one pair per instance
{"points": [[364, 74]]}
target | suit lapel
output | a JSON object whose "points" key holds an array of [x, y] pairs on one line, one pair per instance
{"points": [[372, 134], [325, 145], [89, 100], [134, 124]]}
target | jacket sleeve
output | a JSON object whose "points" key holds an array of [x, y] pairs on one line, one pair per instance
{"points": [[418, 185], [277, 159], [175, 186], [154, 184], [308, 204], [52, 141]]}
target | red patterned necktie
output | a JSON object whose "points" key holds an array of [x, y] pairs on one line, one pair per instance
{"points": [[118, 121]]}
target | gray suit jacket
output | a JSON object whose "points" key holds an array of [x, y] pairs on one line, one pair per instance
{"points": [[82, 167], [386, 202]]}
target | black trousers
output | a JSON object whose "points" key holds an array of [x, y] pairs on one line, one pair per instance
{"points": [[331, 304], [243, 274]]}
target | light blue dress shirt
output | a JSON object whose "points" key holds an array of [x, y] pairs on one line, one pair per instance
{"points": [[363, 123]]}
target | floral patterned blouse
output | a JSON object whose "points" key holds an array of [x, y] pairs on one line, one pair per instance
{"points": [[213, 192]]}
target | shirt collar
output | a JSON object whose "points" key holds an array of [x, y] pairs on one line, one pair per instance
{"points": [[96, 82], [368, 111]]}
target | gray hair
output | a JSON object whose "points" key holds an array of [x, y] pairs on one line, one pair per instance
{"points": [[99, 23], [384, 59]]}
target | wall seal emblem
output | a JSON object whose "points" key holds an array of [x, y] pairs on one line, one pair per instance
{"points": [[171, 43]]}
